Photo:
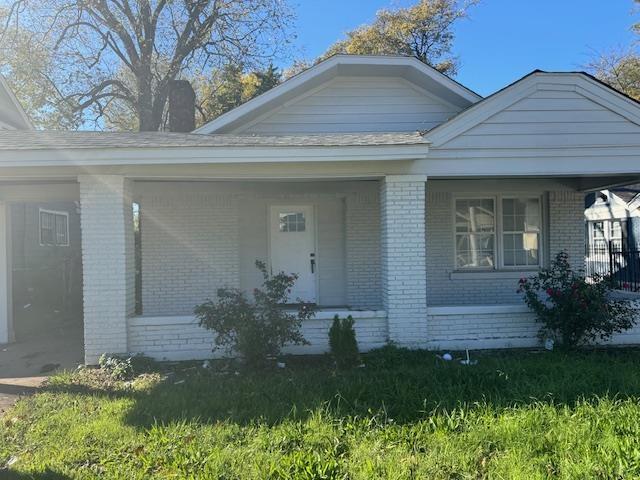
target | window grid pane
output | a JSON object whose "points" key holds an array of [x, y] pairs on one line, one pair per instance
{"points": [[475, 233], [292, 222], [521, 222], [54, 229]]}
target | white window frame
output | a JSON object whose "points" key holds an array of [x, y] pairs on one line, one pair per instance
{"points": [[55, 213], [607, 232], [494, 233], [499, 231]]}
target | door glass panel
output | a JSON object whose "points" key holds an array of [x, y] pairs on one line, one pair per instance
{"points": [[292, 222]]}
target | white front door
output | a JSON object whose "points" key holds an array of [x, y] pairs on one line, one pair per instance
{"points": [[293, 248]]}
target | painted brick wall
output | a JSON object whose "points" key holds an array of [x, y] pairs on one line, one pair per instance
{"points": [[181, 338], [566, 225], [330, 236], [481, 327], [457, 328], [189, 249], [363, 249], [566, 231], [499, 326], [194, 243], [403, 251], [107, 255]]}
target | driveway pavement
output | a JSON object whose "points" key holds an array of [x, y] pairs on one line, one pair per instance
{"points": [[24, 365]]}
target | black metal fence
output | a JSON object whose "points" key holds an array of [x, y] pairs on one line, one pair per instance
{"points": [[611, 259]]}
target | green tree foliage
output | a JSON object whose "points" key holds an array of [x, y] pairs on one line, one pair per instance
{"points": [[232, 86], [574, 309], [27, 66], [424, 30], [620, 69], [113, 60]]}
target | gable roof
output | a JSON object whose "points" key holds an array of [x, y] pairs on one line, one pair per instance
{"points": [[580, 82], [628, 193], [12, 115], [409, 68]]}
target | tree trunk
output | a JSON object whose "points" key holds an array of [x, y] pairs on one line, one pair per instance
{"points": [[146, 118]]}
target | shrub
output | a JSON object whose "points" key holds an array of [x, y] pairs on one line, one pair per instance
{"points": [[256, 329], [121, 367], [573, 309], [343, 343]]}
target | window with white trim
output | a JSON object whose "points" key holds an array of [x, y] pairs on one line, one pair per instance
{"points": [[54, 228], [607, 233], [498, 232], [521, 229]]}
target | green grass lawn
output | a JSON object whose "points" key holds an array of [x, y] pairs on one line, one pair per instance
{"points": [[405, 415]]}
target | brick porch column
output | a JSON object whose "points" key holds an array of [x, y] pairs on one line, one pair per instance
{"points": [[108, 263], [403, 251]]}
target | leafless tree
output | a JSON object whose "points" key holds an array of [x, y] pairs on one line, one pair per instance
{"points": [[125, 53]]}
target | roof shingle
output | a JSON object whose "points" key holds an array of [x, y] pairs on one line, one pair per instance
{"points": [[58, 140]]}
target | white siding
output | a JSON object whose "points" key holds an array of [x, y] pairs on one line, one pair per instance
{"points": [[550, 119], [357, 104]]}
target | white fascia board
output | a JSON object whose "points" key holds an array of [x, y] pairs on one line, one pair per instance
{"points": [[330, 68], [16, 104], [261, 100], [634, 204], [528, 166], [479, 112], [203, 155]]}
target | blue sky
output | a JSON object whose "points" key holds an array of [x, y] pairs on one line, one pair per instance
{"points": [[500, 42]]}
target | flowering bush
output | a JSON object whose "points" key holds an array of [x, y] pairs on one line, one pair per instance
{"points": [[256, 329], [572, 309]]}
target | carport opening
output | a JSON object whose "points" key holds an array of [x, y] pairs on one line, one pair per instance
{"points": [[46, 262]]}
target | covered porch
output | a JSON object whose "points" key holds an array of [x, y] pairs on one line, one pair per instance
{"points": [[385, 250], [389, 250]]}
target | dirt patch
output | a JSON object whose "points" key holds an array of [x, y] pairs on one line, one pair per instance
{"points": [[13, 388]]}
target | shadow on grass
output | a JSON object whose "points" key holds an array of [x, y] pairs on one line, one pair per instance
{"points": [[404, 385], [46, 475]]}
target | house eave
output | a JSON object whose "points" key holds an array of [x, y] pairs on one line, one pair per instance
{"points": [[88, 157]]}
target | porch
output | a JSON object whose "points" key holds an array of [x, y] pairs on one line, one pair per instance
{"points": [[384, 251], [395, 252]]}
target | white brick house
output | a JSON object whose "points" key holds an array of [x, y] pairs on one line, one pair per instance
{"points": [[399, 196]]}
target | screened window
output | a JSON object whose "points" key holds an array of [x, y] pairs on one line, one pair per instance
{"points": [[54, 228], [499, 231], [521, 228], [475, 233]]}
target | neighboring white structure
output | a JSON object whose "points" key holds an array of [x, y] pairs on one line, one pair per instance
{"points": [[12, 115], [613, 218], [399, 196]]}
